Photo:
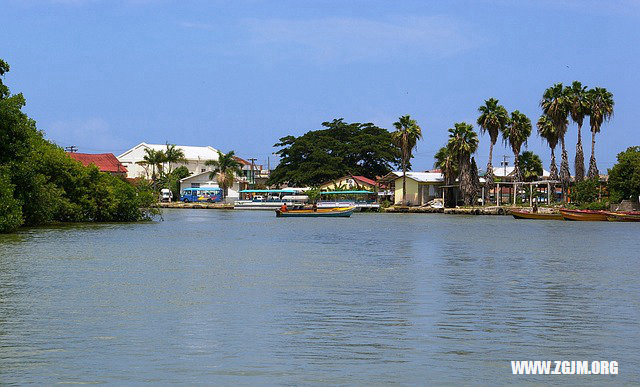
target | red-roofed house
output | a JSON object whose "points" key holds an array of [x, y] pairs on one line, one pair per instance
{"points": [[351, 182], [106, 162]]}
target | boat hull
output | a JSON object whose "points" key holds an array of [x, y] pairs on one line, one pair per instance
{"points": [[319, 213], [536, 215], [584, 215], [621, 217]]}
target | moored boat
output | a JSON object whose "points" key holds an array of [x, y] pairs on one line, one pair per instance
{"points": [[317, 213], [584, 215], [535, 215], [623, 216]]}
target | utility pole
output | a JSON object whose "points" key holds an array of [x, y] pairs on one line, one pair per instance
{"points": [[253, 176], [505, 163], [71, 149]]}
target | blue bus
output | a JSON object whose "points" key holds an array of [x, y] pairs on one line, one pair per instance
{"points": [[210, 195]]}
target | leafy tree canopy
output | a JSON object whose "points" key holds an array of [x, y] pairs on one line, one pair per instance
{"points": [[624, 177], [341, 149], [40, 183]]}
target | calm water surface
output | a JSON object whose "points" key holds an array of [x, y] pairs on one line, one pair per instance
{"points": [[243, 297]]}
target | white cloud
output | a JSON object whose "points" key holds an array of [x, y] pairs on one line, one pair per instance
{"points": [[353, 39], [196, 25]]}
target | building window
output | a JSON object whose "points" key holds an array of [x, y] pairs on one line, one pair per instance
{"points": [[203, 169], [195, 185]]}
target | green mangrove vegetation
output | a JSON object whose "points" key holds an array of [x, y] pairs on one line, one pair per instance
{"points": [[40, 183]]}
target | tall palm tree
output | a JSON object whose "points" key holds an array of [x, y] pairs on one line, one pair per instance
{"points": [[447, 162], [463, 142], [554, 105], [600, 102], [173, 155], [493, 119], [515, 135], [406, 138], [576, 95], [547, 130], [155, 159], [225, 169]]}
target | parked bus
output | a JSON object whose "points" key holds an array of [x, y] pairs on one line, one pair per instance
{"points": [[210, 195]]}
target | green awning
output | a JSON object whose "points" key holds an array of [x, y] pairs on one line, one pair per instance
{"points": [[268, 191], [346, 192]]}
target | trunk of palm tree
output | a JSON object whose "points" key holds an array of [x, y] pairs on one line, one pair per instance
{"points": [[553, 170], [466, 185], [579, 161], [404, 182], [593, 168], [565, 175], [489, 176]]}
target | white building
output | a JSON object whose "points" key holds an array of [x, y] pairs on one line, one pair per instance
{"points": [[506, 171], [196, 157]]}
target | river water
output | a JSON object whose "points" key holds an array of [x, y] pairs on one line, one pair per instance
{"points": [[228, 297]]}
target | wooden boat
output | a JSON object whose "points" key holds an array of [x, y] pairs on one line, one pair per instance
{"points": [[535, 215], [584, 215], [318, 213], [623, 216]]}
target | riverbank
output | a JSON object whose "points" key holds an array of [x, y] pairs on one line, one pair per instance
{"points": [[456, 211]]}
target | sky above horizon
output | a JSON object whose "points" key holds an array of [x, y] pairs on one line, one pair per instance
{"points": [[107, 75]]}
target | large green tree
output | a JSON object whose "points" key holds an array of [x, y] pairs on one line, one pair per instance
{"points": [[338, 150], [40, 183], [406, 138], [600, 102], [624, 176], [576, 95], [173, 155], [493, 119], [555, 106], [530, 166], [515, 134], [463, 142], [548, 132]]}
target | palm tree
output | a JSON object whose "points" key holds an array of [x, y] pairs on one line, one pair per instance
{"points": [[530, 165], [155, 159], [447, 162], [173, 155], [493, 119], [463, 142], [547, 130], [554, 105], [515, 135], [600, 102], [406, 138], [224, 170], [576, 95]]}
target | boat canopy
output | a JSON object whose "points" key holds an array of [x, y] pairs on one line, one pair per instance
{"points": [[268, 191], [347, 192]]}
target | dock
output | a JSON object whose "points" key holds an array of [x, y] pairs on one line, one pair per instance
{"points": [[204, 205]]}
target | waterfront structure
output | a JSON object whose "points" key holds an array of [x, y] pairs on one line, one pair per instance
{"points": [[351, 183], [195, 157], [506, 173], [422, 187], [106, 162], [202, 180]]}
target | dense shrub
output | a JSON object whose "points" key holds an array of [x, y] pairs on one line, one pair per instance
{"points": [[586, 191], [40, 183], [624, 177]]}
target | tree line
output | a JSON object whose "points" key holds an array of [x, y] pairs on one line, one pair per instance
{"points": [[40, 183]]}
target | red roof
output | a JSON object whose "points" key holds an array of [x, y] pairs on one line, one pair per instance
{"points": [[106, 162], [365, 180], [241, 160]]}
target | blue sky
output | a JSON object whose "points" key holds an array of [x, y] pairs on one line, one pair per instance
{"points": [[107, 74]]}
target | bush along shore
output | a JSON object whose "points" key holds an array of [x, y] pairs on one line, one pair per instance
{"points": [[41, 184]]}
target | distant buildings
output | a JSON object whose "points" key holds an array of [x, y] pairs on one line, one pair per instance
{"points": [[106, 162], [196, 156], [422, 187], [351, 183]]}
